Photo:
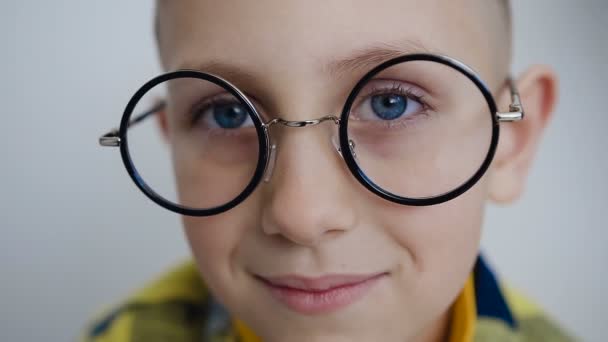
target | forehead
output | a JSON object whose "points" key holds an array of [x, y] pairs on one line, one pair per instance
{"points": [[301, 38]]}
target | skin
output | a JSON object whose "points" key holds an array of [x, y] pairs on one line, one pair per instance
{"points": [[314, 221]]}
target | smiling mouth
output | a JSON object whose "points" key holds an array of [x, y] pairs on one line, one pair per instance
{"points": [[325, 294]]}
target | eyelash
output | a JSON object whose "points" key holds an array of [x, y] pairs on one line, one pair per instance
{"points": [[200, 107], [399, 89]]}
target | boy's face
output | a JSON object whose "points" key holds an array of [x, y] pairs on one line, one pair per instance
{"points": [[313, 218]]}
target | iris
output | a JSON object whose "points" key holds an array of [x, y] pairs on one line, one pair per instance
{"points": [[230, 115], [389, 106]]}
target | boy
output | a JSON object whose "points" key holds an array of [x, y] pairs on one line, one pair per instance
{"points": [[311, 255]]}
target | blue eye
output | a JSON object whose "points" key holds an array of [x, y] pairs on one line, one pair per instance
{"points": [[389, 106], [230, 115], [222, 113]]}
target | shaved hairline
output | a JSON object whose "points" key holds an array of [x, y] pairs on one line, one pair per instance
{"points": [[504, 35]]}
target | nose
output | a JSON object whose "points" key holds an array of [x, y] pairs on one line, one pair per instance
{"points": [[307, 199]]}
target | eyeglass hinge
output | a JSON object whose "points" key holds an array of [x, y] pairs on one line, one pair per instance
{"points": [[516, 110], [510, 116], [110, 139]]}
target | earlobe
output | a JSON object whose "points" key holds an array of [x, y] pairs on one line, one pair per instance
{"points": [[519, 140]]}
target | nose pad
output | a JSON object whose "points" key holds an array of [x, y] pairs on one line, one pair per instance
{"points": [[351, 147], [272, 157], [351, 144], [336, 143]]}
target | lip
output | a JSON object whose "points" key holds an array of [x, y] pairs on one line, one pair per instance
{"points": [[320, 295]]}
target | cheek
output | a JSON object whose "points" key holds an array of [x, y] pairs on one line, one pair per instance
{"points": [[210, 244], [214, 242], [209, 240], [440, 236], [447, 236], [442, 243]]}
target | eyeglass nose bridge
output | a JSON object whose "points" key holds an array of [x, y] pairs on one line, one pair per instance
{"points": [[287, 123], [304, 123]]}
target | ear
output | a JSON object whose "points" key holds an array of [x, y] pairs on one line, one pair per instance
{"points": [[519, 140]]}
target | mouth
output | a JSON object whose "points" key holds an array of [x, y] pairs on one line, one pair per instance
{"points": [[312, 296]]}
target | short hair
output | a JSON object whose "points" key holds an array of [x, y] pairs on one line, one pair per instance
{"points": [[504, 7]]}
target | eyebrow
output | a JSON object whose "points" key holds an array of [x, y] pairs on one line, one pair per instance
{"points": [[370, 57], [225, 70], [358, 60]]}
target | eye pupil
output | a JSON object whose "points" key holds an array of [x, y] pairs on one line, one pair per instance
{"points": [[389, 106], [230, 116]]}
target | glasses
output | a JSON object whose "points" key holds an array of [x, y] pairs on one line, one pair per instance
{"points": [[416, 130]]}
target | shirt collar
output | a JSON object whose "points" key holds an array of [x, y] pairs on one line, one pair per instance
{"points": [[490, 300], [464, 314]]}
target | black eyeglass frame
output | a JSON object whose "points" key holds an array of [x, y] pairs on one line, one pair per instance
{"points": [[119, 137]]}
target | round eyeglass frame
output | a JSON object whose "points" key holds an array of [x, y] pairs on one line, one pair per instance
{"points": [[120, 137]]}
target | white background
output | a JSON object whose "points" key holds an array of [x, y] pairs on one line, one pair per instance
{"points": [[76, 233]]}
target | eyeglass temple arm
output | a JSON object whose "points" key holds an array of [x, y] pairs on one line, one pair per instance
{"points": [[516, 110], [111, 138]]}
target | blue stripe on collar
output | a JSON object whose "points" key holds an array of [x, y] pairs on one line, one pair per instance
{"points": [[490, 300]]}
